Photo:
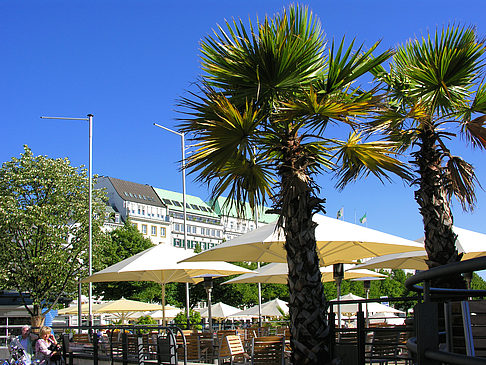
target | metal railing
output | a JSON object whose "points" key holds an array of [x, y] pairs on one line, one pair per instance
{"points": [[426, 343]]}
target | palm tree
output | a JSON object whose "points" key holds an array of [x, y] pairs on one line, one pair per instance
{"points": [[435, 84], [257, 124]]}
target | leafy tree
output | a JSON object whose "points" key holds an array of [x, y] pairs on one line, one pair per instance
{"points": [[194, 320], [258, 124], [436, 84], [124, 242], [44, 228]]}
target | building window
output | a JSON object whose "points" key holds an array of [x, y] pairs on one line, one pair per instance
{"points": [[162, 231], [138, 210], [117, 218], [154, 231], [144, 228]]}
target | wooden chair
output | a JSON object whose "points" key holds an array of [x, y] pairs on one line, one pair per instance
{"points": [[232, 348], [268, 350], [81, 337], [192, 347], [384, 347]]}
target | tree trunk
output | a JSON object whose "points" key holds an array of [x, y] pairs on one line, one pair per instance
{"points": [[308, 324], [434, 205], [37, 322]]}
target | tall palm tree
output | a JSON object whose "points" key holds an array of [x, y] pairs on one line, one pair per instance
{"points": [[258, 125], [435, 84]]}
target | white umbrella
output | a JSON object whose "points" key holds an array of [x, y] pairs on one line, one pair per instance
{"points": [[373, 307], [122, 308], [161, 264], [337, 242], [170, 312], [277, 273], [388, 318], [219, 311], [471, 244], [273, 308]]}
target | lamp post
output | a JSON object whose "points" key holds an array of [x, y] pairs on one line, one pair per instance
{"points": [[89, 119], [208, 285], [183, 162], [338, 274]]}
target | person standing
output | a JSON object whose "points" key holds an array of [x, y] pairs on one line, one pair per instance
{"points": [[26, 341]]}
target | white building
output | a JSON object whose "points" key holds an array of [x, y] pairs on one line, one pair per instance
{"points": [[141, 204], [203, 224], [235, 226]]}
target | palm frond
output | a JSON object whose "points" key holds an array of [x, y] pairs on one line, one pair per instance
{"points": [[461, 180], [475, 131], [317, 110], [277, 58], [441, 71], [347, 65], [243, 181], [357, 159]]}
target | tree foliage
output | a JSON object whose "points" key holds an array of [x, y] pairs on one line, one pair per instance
{"points": [[258, 128], [123, 243], [436, 92], [44, 227]]}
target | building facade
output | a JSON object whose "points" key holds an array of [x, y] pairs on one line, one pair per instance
{"points": [[203, 224], [233, 225], [141, 205]]}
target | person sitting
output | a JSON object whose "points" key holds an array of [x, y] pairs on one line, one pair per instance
{"points": [[26, 340], [46, 347]]}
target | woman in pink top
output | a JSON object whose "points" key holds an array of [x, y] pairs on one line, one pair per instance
{"points": [[42, 352]]}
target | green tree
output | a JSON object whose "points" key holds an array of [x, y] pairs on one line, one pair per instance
{"points": [[44, 228], [194, 320], [258, 124], [124, 242], [435, 84]]}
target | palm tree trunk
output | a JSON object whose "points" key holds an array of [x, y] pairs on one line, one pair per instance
{"points": [[435, 209], [308, 325]]}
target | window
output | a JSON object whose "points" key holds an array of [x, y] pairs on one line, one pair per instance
{"points": [[162, 231], [144, 228], [143, 211], [138, 210], [167, 201], [176, 203], [213, 233], [154, 231], [117, 218]]}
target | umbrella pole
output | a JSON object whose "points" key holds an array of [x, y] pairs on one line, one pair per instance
{"points": [[188, 307], [259, 302], [164, 322], [80, 311]]}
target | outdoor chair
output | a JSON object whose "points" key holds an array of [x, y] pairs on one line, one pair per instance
{"points": [[192, 347], [384, 347], [232, 349], [268, 350]]}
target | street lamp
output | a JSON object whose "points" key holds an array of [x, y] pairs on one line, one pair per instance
{"points": [[89, 119], [183, 162], [338, 274]]}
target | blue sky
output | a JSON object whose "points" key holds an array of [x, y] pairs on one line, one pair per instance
{"points": [[127, 62]]}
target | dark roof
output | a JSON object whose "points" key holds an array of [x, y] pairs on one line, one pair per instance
{"points": [[137, 193]]}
